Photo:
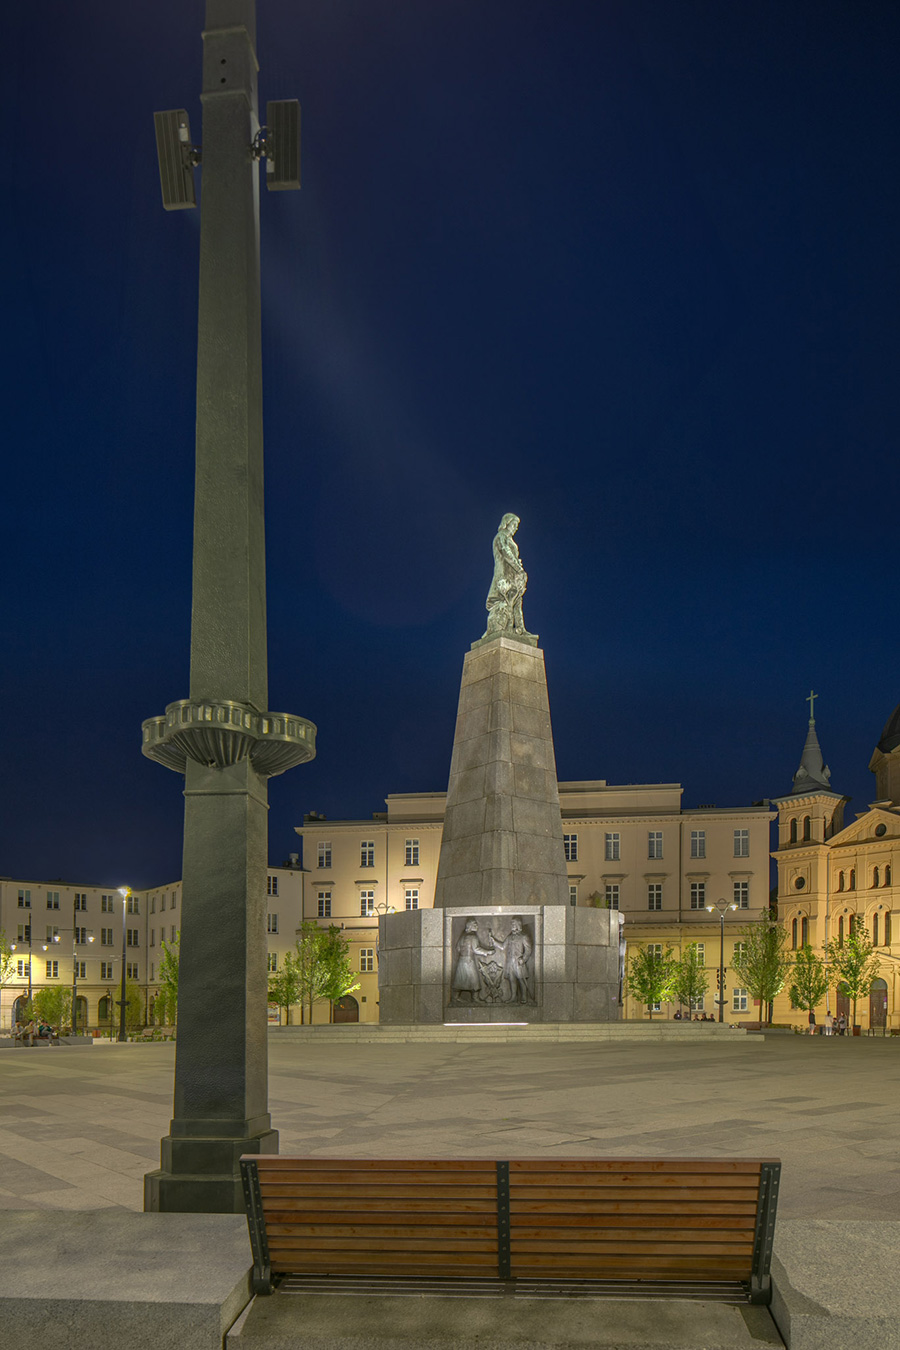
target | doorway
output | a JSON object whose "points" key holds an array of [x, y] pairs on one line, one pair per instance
{"points": [[346, 1009], [878, 998]]}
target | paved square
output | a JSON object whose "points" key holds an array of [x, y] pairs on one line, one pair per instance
{"points": [[79, 1127]]}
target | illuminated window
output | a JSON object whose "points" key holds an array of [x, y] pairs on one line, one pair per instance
{"points": [[612, 847], [741, 894], [412, 898], [367, 904], [412, 853], [698, 895], [367, 853], [570, 847], [698, 843], [324, 904], [366, 959], [654, 895], [654, 844], [742, 843]]}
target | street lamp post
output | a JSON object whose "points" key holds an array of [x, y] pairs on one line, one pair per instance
{"points": [[125, 892], [722, 906], [13, 946]]}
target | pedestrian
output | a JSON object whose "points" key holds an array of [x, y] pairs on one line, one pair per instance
{"points": [[829, 1023], [842, 1024], [812, 1022]]}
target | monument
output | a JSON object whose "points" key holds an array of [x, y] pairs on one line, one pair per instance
{"points": [[502, 943], [222, 738]]}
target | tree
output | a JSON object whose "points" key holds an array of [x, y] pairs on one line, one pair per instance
{"points": [[52, 1004], [338, 975], [855, 964], [7, 960], [165, 1008], [691, 980], [809, 983], [285, 986], [763, 964], [134, 1006], [651, 975]]}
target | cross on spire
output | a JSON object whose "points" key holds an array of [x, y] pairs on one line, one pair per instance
{"points": [[811, 700]]}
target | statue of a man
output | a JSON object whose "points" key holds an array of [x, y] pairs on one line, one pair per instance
{"points": [[504, 601]]}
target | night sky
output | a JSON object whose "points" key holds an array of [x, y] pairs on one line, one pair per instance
{"points": [[628, 268]]}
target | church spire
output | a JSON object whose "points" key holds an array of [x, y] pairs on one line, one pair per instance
{"points": [[813, 775]]}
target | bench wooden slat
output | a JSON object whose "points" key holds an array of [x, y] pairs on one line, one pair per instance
{"points": [[519, 1166], [677, 1222], [434, 1180], [577, 1237], [625, 1247], [368, 1231], [366, 1189], [572, 1182], [616, 1265], [274, 1162], [397, 1242], [302, 1204], [625, 1208], [286, 1259], [685, 1196]]}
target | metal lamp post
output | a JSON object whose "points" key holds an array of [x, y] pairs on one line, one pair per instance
{"points": [[125, 892], [722, 907], [13, 946]]}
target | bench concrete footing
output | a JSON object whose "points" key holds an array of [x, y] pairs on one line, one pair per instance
{"points": [[110, 1279], [835, 1284]]}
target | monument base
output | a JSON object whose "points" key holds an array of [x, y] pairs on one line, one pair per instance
{"points": [[573, 969], [202, 1175]]}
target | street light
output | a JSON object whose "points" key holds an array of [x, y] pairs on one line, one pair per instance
{"points": [[723, 907], [125, 892]]}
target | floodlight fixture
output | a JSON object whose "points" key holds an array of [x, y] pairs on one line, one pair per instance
{"points": [[177, 157]]}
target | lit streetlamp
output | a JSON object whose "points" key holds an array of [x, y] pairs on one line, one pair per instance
{"points": [[125, 892], [722, 907]]}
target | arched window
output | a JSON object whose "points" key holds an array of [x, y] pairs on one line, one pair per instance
{"points": [[876, 876], [875, 930], [103, 1009], [841, 931], [807, 829], [840, 881], [794, 933], [794, 830], [852, 885], [887, 874], [854, 923], [887, 929], [804, 932]]}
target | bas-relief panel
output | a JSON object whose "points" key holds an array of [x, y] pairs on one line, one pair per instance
{"points": [[493, 960]]}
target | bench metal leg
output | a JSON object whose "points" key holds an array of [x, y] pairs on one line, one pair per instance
{"points": [[261, 1279], [760, 1280]]}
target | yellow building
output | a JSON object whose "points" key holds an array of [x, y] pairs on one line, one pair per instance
{"points": [[832, 875]]}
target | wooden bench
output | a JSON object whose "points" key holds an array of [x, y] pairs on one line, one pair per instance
{"points": [[698, 1227]]}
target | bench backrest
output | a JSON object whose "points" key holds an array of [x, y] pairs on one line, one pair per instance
{"points": [[599, 1219]]}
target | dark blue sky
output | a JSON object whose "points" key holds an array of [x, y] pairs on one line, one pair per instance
{"points": [[628, 268]]}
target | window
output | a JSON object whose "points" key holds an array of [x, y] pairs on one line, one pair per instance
{"points": [[24, 899], [741, 894], [152, 978], [81, 935], [106, 972], [153, 904], [793, 839], [852, 886], [612, 847], [739, 1000], [876, 877], [570, 847], [804, 932], [412, 898], [367, 904], [81, 970], [841, 931], [854, 923], [52, 970], [698, 843], [742, 843], [887, 929], [325, 854], [172, 933], [875, 942], [162, 903], [366, 959], [698, 895], [794, 934], [655, 948], [700, 948], [52, 932], [53, 899], [654, 844], [24, 932], [131, 970], [174, 899], [654, 895], [840, 881], [132, 937], [573, 895], [106, 904], [740, 949], [81, 900], [23, 968], [412, 853], [272, 962], [807, 829], [698, 1004], [271, 923], [152, 937], [324, 904], [133, 904], [887, 874], [612, 895], [367, 853], [271, 885]]}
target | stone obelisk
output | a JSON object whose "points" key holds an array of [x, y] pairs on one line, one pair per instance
{"points": [[502, 942], [222, 738]]}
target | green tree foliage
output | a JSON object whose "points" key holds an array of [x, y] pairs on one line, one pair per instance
{"points": [[134, 1006], [763, 965], [7, 960], [53, 1004], [691, 980], [286, 986], [651, 975], [855, 964], [809, 983], [338, 975], [165, 1008]]}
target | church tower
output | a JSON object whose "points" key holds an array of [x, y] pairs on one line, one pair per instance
{"points": [[885, 762]]}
